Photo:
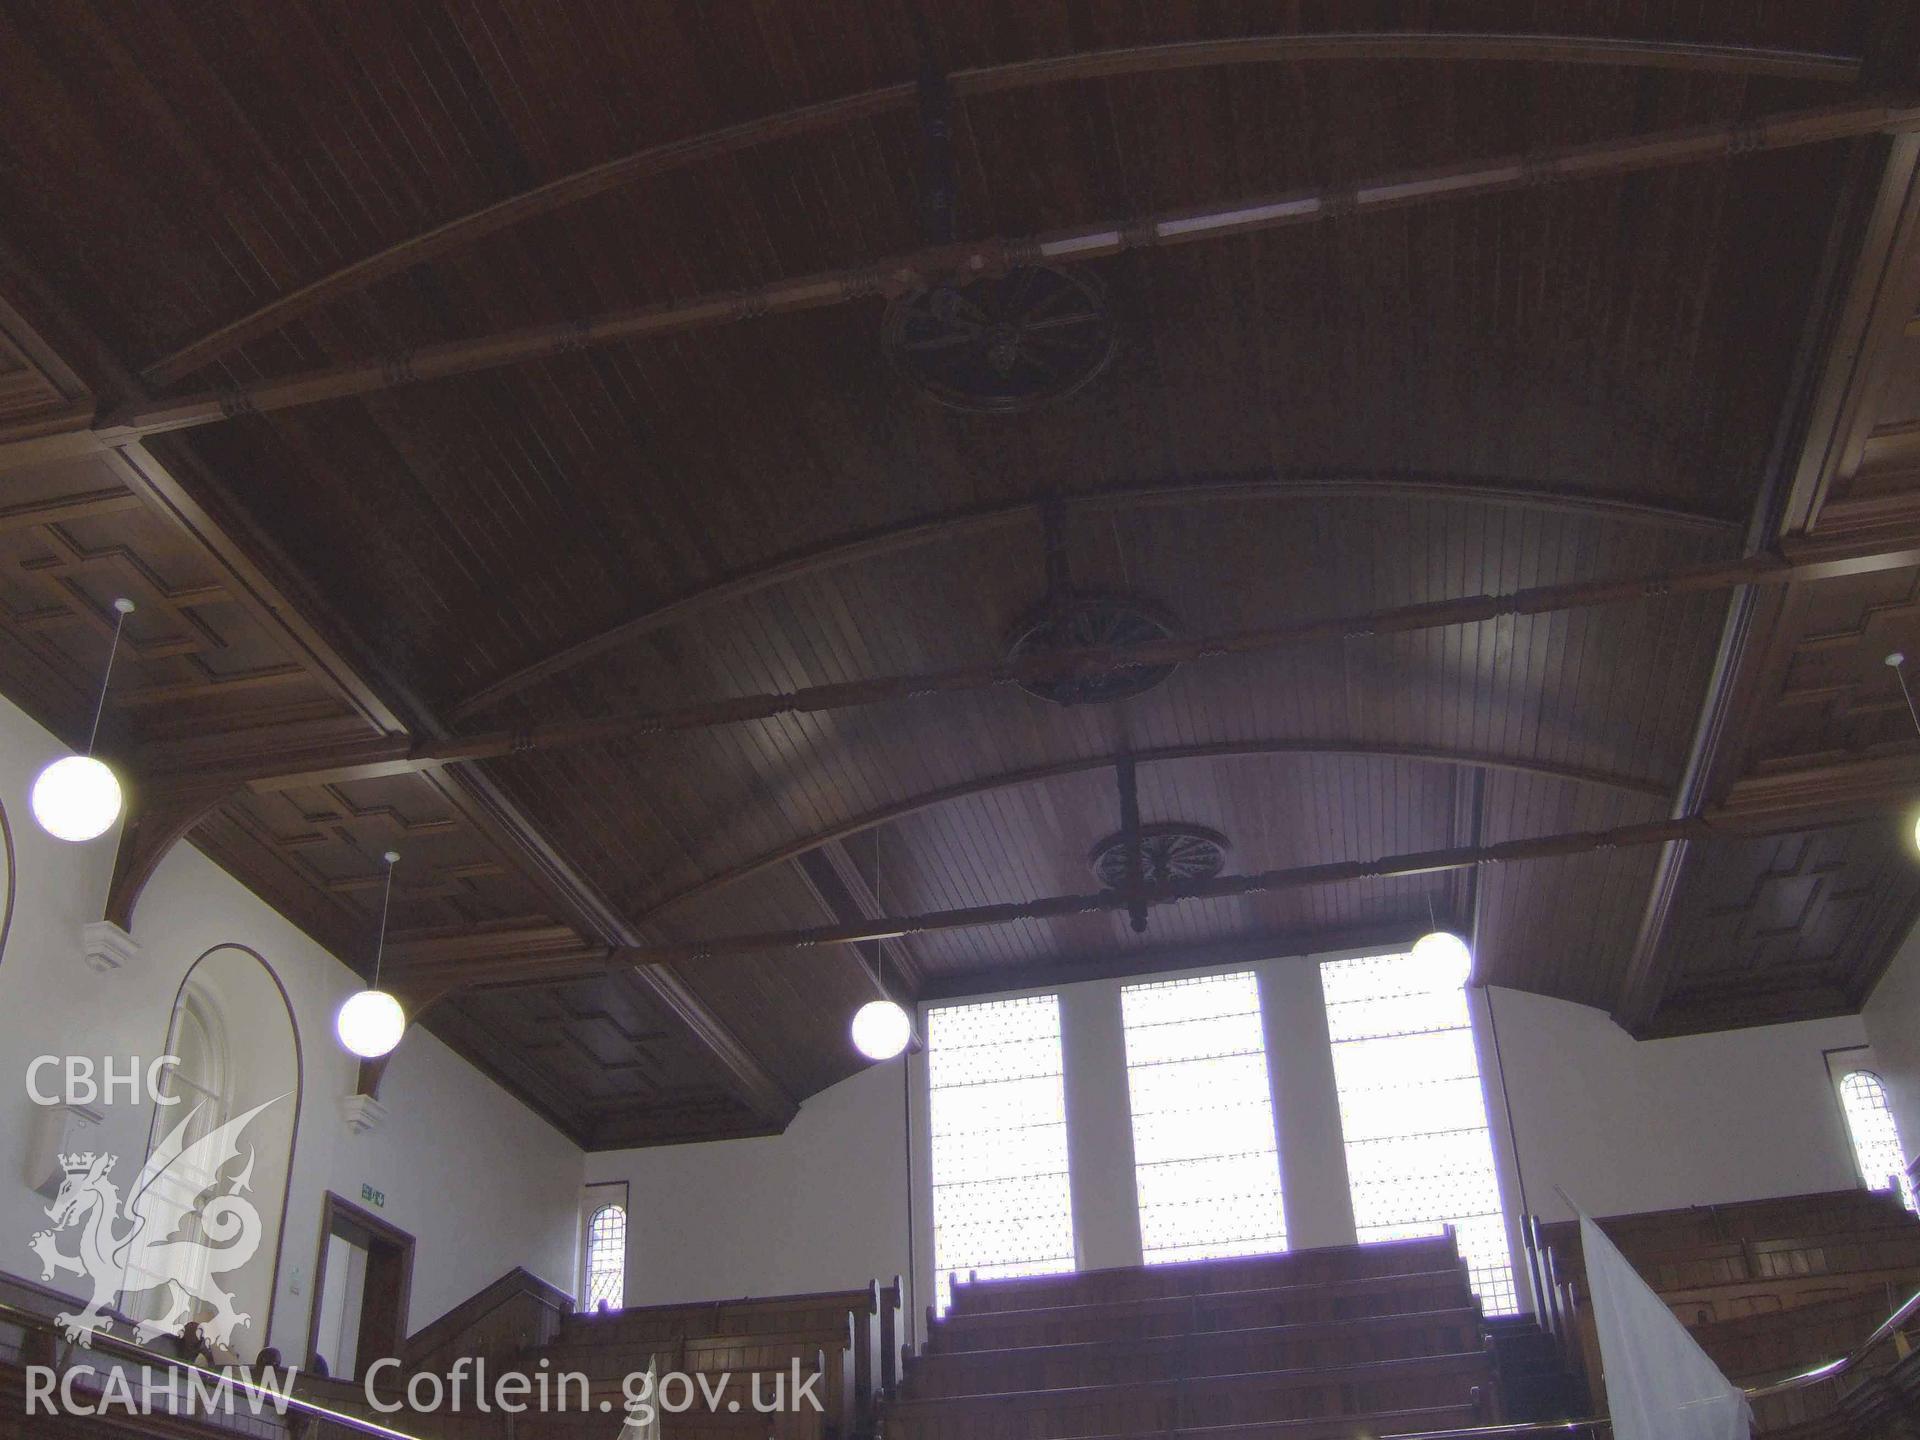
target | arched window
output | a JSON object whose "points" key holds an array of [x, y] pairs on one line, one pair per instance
{"points": [[199, 1040], [1876, 1143], [237, 1064], [607, 1257], [194, 1100]]}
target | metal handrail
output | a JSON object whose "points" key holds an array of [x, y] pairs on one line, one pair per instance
{"points": [[1833, 1369], [1525, 1427], [127, 1350], [1830, 1370]]}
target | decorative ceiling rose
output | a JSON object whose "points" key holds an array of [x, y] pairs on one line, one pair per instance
{"points": [[1093, 621], [1173, 850], [1002, 343]]}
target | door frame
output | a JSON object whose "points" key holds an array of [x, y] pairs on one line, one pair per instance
{"points": [[336, 1215]]}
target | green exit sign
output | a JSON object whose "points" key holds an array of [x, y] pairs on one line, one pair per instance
{"points": [[373, 1197]]}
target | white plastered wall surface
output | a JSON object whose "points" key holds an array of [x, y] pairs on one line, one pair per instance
{"points": [[1892, 1017], [481, 1182]]}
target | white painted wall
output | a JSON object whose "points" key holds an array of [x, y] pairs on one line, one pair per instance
{"points": [[1892, 1018], [821, 1207], [480, 1181], [1626, 1125]]}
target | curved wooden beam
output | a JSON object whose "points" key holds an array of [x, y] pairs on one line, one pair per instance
{"points": [[871, 544], [154, 825], [1087, 65], [900, 274], [1812, 560], [1170, 892], [1231, 749]]}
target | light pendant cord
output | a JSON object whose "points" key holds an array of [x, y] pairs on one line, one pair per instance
{"points": [[386, 899], [911, 1281], [880, 904], [123, 609], [1896, 662]]}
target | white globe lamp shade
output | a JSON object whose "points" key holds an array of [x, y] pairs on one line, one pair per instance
{"points": [[881, 1029], [76, 799], [1444, 958], [1916, 833], [370, 1024]]}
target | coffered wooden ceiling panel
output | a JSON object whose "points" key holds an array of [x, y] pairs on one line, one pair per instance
{"points": [[194, 655], [768, 1000], [333, 836], [1634, 374], [1832, 695], [1789, 926], [598, 1059]]}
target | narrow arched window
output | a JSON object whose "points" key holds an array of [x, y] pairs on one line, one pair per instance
{"points": [[199, 1041], [607, 1257], [1876, 1142], [194, 1103], [237, 1061]]}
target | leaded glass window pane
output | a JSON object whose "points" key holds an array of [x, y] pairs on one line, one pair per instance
{"points": [[607, 1257], [1001, 1203], [1205, 1164], [1419, 1153], [1876, 1141]]}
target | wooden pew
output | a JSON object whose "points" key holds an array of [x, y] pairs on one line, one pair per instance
{"points": [[765, 1333], [1719, 1264], [1141, 1319], [1807, 1218], [1757, 1348], [746, 1315], [1341, 1427], [1195, 1354], [1770, 1286], [1151, 1407], [1348, 1342], [1331, 1265], [516, 1313]]}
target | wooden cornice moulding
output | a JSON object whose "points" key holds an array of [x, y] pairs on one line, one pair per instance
{"points": [[176, 762], [435, 965], [1890, 512], [1819, 795], [418, 953], [39, 394]]}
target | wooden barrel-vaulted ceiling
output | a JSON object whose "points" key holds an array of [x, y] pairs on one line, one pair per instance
{"points": [[445, 380]]}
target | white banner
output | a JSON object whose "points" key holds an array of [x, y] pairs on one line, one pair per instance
{"points": [[1660, 1384]]}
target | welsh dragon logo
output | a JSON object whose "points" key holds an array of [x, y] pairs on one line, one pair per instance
{"points": [[149, 1254]]}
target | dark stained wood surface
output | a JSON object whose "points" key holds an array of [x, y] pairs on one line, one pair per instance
{"points": [[1573, 380]]}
